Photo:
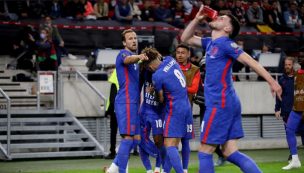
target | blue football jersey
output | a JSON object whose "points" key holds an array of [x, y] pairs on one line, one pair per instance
{"points": [[150, 104], [169, 78], [128, 79], [220, 55]]}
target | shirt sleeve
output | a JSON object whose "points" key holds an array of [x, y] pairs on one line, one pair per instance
{"points": [[205, 42], [278, 103], [195, 83], [156, 82], [232, 49], [122, 56]]}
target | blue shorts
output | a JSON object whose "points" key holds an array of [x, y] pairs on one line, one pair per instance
{"points": [[178, 124], [151, 121], [222, 124], [127, 118]]}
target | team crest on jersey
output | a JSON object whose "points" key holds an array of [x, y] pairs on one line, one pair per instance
{"points": [[213, 52]]}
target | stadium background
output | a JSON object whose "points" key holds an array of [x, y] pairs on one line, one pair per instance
{"points": [[82, 37]]}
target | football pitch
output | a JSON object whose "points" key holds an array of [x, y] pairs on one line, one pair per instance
{"points": [[270, 161]]}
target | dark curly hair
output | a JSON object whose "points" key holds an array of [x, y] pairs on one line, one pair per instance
{"points": [[151, 53]]}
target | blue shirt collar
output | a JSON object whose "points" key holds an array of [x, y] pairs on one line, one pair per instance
{"points": [[220, 39]]}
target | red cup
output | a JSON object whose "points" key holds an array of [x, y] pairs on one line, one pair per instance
{"points": [[209, 12]]}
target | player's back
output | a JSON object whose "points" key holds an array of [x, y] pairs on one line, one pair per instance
{"points": [[173, 84]]}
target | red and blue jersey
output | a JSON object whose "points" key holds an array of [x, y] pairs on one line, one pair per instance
{"points": [[220, 55], [170, 78], [128, 79]]}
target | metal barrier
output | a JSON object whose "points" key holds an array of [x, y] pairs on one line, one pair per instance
{"points": [[255, 74], [8, 108], [78, 73]]}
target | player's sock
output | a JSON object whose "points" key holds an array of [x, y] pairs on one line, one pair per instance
{"points": [[115, 160], [158, 162], [175, 160], [185, 153], [245, 163], [205, 163], [163, 155], [167, 164], [295, 157], [123, 154], [291, 140], [144, 156]]}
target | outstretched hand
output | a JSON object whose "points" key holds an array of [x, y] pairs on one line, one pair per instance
{"points": [[143, 57]]}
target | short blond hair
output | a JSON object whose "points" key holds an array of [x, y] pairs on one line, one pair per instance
{"points": [[123, 34], [290, 58]]}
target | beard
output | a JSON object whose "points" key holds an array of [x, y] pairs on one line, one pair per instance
{"points": [[288, 71]]}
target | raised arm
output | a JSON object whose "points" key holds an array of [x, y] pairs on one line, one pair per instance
{"points": [[275, 88], [188, 36]]}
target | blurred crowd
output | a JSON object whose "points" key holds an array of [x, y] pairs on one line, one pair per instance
{"points": [[277, 15]]}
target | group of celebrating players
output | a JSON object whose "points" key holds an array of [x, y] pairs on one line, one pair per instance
{"points": [[166, 110]]}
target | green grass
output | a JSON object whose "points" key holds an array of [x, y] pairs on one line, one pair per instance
{"points": [[270, 167], [270, 161]]}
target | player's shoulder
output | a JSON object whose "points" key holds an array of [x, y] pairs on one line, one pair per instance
{"points": [[227, 42], [124, 53], [230, 45], [167, 58]]}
